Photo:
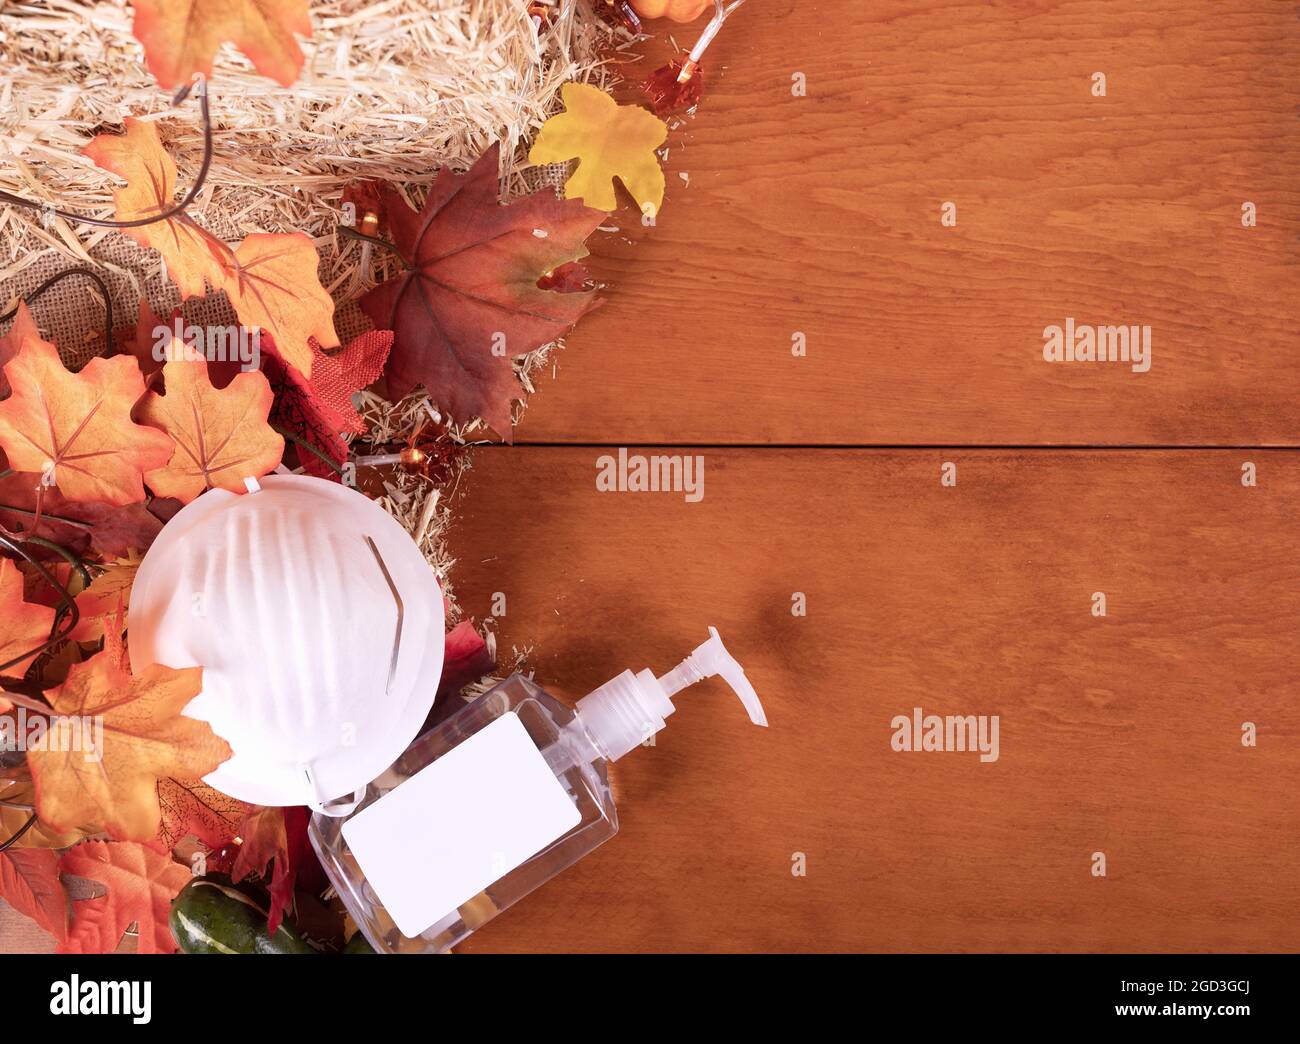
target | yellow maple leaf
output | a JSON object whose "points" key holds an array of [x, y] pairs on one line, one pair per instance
{"points": [[136, 736], [609, 141]]}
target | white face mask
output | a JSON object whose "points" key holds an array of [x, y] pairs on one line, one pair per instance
{"points": [[319, 626]]}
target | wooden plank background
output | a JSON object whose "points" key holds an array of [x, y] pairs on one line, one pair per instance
{"points": [[1120, 735], [821, 215]]}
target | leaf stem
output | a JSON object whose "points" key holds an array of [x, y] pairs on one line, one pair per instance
{"points": [[302, 443], [31, 822], [68, 611], [58, 277], [348, 232]]}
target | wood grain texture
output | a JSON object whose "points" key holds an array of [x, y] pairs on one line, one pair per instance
{"points": [[821, 215], [1120, 735]]}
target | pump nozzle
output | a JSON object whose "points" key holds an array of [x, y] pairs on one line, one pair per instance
{"points": [[627, 710], [707, 660]]}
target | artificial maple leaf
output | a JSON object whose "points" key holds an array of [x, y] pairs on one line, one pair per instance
{"points": [[54, 669], [609, 141], [79, 527], [274, 839], [75, 429], [180, 37], [274, 287], [320, 409], [192, 255], [23, 625], [469, 301], [105, 599], [139, 341], [18, 797], [191, 807], [115, 786], [141, 883], [152, 339], [24, 326], [37, 589], [29, 882], [263, 838], [466, 658], [222, 437]]}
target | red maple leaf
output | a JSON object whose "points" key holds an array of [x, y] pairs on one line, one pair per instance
{"points": [[29, 882], [275, 840], [318, 409], [466, 659], [469, 301], [191, 807], [141, 883], [78, 526]]}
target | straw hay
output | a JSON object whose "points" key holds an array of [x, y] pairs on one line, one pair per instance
{"points": [[391, 89]]}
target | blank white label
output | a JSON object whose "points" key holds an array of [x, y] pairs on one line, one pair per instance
{"points": [[460, 824]]}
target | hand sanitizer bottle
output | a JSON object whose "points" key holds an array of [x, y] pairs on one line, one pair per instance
{"points": [[496, 801]]}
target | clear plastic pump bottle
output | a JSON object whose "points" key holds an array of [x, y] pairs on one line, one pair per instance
{"points": [[495, 801]]}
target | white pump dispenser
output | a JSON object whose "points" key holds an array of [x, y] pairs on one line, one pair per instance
{"points": [[496, 800], [627, 710]]}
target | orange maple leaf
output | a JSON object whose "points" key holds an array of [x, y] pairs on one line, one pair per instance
{"points": [[193, 807], [75, 429], [24, 327], [193, 256], [106, 598], [180, 37], [23, 626], [222, 437], [29, 882], [113, 786], [274, 286], [16, 800], [141, 883]]}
